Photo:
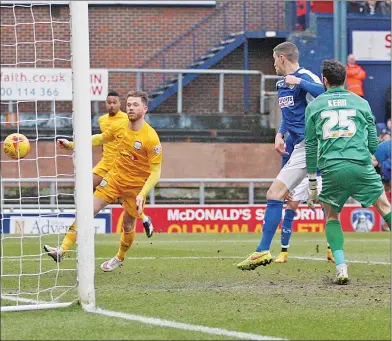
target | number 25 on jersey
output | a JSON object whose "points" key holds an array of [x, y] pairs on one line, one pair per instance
{"points": [[342, 118]]}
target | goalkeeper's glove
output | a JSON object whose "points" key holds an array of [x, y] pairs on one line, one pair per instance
{"points": [[312, 193]]}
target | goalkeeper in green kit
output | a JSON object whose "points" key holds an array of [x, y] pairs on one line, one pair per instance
{"points": [[340, 138]]}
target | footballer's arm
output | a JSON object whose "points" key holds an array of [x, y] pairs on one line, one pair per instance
{"points": [[279, 138], [314, 89], [372, 131], [96, 140], [152, 180], [311, 87]]}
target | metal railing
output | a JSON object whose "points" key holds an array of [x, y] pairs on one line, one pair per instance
{"points": [[220, 72], [181, 72], [264, 93], [200, 181]]}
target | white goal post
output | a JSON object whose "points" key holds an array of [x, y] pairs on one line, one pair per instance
{"points": [[30, 280]]}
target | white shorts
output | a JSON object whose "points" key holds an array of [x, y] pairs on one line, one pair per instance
{"points": [[300, 193], [294, 170]]}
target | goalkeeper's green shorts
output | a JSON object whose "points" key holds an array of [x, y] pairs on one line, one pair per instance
{"points": [[350, 180]]}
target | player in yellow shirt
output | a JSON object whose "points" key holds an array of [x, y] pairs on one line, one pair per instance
{"points": [[109, 150], [135, 171]]}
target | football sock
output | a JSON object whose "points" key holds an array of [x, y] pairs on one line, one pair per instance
{"points": [[144, 217], [70, 238], [273, 215], [335, 239], [339, 257], [387, 219], [287, 228], [127, 238]]}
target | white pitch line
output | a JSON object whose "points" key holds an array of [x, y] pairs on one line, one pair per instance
{"points": [[178, 325], [201, 257], [348, 261], [157, 321]]}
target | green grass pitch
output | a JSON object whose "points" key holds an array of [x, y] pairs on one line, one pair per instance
{"points": [[192, 278]]}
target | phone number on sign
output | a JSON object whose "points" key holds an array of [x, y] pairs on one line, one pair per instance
{"points": [[27, 92]]}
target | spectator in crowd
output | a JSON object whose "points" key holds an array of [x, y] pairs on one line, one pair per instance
{"points": [[382, 162], [375, 7], [355, 76], [301, 15], [355, 6]]}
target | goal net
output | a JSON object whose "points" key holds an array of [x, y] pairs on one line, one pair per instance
{"points": [[45, 96]]}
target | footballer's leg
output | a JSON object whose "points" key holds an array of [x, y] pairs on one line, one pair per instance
{"points": [[287, 228], [289, 177], [383, 207], [128, 230], [105, 193], [335, 239], [338, 186], [369, 190], [273, 215], [298, 195], [99, 173], [57, 253], [96, 180], [147, 223], [330, 254], [128, 235]]}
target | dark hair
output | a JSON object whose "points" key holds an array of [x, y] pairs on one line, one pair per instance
{"points": [[113, 93], [135, 93], [289, 50], [334, 71]]}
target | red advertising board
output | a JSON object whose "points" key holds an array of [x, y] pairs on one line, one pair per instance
{"points": [[244, 218]]}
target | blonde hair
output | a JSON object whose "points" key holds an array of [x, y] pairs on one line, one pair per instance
{"points": [[141, 94]]}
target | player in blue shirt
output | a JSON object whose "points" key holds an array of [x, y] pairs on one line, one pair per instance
{"points": [[298, 195], [383, 154], [382, 157], [297, 87]]}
